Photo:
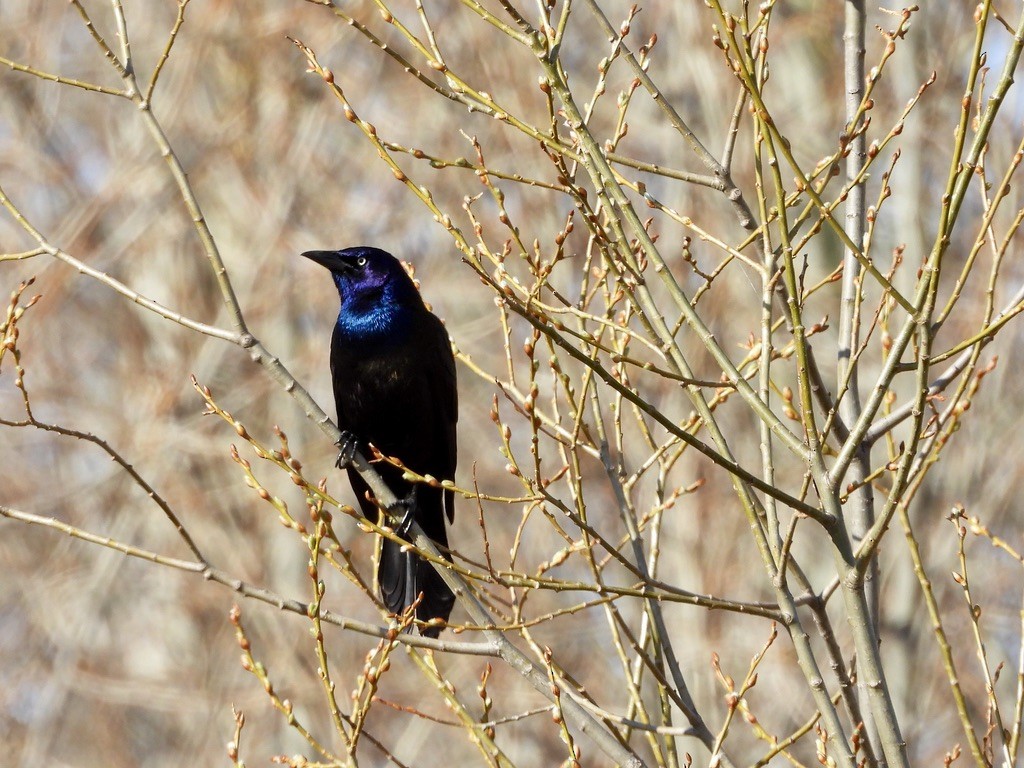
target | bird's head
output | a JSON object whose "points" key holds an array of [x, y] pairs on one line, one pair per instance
{"points": [[372, 283]]}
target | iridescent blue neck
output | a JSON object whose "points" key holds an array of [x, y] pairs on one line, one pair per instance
{"points": [[377, 315]]}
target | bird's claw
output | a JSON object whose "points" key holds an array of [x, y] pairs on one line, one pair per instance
{"points": [[347, 445], [407, 507]]}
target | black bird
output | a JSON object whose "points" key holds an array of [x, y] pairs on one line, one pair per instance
{"points": [[394, 386]]}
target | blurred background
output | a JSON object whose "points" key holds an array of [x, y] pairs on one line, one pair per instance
{"points": [[113, 661]]}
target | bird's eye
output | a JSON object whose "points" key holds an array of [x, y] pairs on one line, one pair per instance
{"points": [[361, 261]]}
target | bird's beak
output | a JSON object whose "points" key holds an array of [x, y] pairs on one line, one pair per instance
{"points": [[333, 260]]}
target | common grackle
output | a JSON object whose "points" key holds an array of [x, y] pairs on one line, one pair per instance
{"points": [[394, 386]]}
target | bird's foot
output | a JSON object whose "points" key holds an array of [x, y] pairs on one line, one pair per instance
{"points": [[407, 508], [347, 445]]}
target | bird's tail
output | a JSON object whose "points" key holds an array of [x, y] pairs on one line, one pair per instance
{"points": [[403, 575]]}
